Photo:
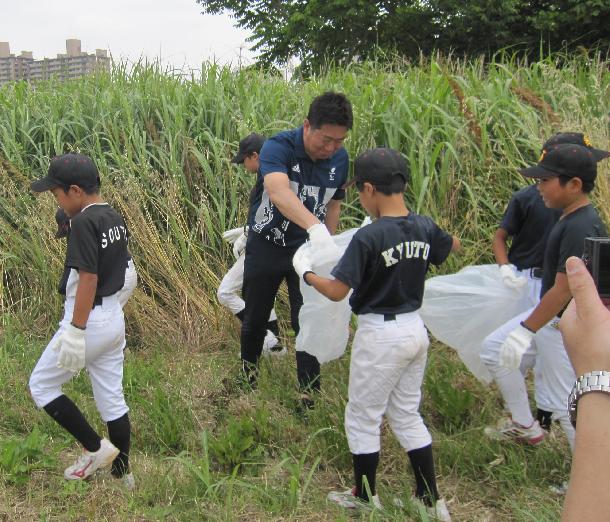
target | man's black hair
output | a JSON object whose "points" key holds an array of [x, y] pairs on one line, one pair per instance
{"points": [[397, 186], [330, 108], [587, 186]]}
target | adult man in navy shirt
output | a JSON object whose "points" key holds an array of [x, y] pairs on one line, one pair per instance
{"points": [[302, 171]]}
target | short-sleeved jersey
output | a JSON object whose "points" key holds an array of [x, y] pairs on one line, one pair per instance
{"points": [[386, 263], [528, 221], [314, 182], [567, 238], [97, 243]]}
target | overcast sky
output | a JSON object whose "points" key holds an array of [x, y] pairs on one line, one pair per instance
{"points": [[174, 30]]}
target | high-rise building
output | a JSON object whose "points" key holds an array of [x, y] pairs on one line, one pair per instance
{"points": [[73, 64]]}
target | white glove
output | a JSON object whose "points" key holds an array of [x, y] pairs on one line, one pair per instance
{"points": [[510, 279], [231, 235], [302, 260], [323, 248], [516, 344], [70, 345], [240, 245]]}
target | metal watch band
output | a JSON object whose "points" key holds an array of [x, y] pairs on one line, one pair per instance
{"points": [[596, 381]]}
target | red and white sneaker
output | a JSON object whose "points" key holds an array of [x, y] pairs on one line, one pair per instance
{"points": [[89, 462], [508, 429]]}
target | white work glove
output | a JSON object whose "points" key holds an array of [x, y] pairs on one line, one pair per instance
{"points": [[510, 279], [301, 261], [230, 236], [240, 245], [70, 345], [516, 344], [323, 248]]}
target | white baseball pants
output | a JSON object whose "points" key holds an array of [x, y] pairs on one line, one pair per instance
{"points": [[105, 340], [386, 373], [230, 287], [511, 383]]}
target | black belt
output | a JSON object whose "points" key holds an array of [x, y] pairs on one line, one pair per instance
{"points": [[97, 301], [389, 317], [536, 272]]}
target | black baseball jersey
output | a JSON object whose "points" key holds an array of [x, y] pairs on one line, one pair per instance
{"points": [[386, 263], [97, 243], [528, 221], [567, 238]]}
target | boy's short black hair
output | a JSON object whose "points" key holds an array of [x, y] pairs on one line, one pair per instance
{"points": [[587, 186], [396, 186], [330, 108]]}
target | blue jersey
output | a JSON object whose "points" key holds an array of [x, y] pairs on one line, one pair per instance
{"points": [[314, 182]]}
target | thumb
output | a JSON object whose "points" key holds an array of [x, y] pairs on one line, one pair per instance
{"points": [[582, 287]]}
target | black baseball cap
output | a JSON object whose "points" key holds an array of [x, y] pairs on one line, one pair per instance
{"points": [[63, 223], [69, 169], [251, 143], [575, 138], [572, 161], [379, 166]]}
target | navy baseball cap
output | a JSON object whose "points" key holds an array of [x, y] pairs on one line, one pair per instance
{"points": [[251, 143], [569, 160], [575, 138], [379, 166], [63, 223], [69, 169]]}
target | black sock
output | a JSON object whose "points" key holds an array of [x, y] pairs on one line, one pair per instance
{"points": [[365, 465], [422, 463], [69, 417], [274, 327], [240, 315], [544, 418], [119, 433]]}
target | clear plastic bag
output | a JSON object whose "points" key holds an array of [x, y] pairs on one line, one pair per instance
{"points": [[461, 309], [324, 324]]}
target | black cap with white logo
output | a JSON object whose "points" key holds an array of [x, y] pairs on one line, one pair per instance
{"points": [[69, 169]]}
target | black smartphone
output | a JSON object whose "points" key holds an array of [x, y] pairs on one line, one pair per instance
{"points": [[596, 256]]}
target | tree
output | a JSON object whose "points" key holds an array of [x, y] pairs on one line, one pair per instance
{"points": [[315, 31]]}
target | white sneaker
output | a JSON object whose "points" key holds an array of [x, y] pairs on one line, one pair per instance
{"points": [[437, 512], [508, 429], [89, 462], [348, 499], [272, 346]]}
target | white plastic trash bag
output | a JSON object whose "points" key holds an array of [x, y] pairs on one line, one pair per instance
{"points": [[462, 309], [324, 324]]}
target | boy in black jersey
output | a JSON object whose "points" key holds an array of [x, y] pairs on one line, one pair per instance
{"points": [[528, 221], [386, 264], [566, 175], [91, 334]]}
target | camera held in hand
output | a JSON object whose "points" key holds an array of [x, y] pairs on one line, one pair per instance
{"points": [[596, 257]]}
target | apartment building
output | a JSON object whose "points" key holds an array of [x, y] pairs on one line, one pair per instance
{"points": [[73, 64]]}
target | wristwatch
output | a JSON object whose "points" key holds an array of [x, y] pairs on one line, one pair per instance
{"points": [[597, 381]]}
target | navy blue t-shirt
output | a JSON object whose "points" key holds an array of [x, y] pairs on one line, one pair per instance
{"points": [[528, 221], [386, 263], [567, 238], [314, 182]]}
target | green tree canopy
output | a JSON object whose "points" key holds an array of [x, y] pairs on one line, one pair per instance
{"points": [[315, 31]]}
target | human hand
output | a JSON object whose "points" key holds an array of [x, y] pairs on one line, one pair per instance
{"points": [[301, 261], [323, 248], [240, 245], [516, 344], [510, 278], [585, 325], [70, 345]]}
